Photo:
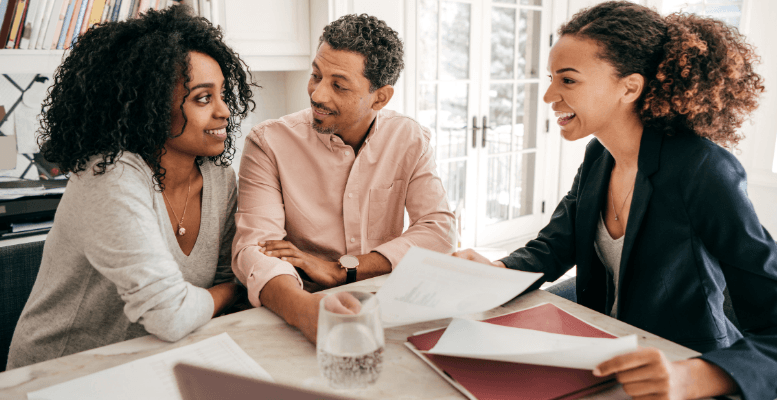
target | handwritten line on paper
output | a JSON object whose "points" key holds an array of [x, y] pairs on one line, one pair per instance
{"points": [[481, 340], [152, 377]]}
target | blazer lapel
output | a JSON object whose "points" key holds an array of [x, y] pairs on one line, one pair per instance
{"points": [[590, 202], [649, 152]]}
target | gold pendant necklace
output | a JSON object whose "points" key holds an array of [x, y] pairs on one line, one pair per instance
{"points": [[181, 229]]}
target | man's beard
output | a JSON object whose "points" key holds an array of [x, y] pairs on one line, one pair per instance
{"points": [[334, 129]]}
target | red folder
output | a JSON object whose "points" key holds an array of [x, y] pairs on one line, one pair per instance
{"points": [[484, 379]]}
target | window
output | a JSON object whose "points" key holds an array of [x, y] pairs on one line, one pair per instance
{"points": [[728, 11]]}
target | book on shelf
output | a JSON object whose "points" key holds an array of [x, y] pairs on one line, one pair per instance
{"points": [[65, 24], [124, 10], [84, 23], [3, 6], [38, 22], [55, 25], [97, 12], [17, 28], [10, 11], [107, 10], [75, 23], [485, 379], [28, 24]]}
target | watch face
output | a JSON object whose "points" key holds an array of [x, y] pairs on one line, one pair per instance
{"points": [[349, 262]]}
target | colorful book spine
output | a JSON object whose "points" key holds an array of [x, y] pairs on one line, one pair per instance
{"points": [[71, 27], [10, 12], [65, 24], [16, 24], [3, 6], [107, 11], [55, 26], [97, 12], [23, 41], [121, 6], [84, 23], [73, 36]]}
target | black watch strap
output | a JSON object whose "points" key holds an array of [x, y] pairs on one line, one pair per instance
{"points": [[350, 275]]}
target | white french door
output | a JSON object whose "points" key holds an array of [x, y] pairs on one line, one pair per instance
{"points": [[478, 90]]}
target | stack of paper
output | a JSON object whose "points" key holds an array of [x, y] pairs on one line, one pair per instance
{"points": [[152, 377]]}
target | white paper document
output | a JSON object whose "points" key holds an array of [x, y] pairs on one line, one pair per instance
{"points": [[152, 377], [481, 340], [427, 285]]}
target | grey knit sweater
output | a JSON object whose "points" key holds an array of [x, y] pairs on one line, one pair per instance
{"points": [[112, 269]]}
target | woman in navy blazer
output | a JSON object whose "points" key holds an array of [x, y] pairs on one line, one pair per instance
{"points": [[661, 200]]}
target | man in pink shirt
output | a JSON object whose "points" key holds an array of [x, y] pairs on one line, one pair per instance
{"points": [[334, 180]]}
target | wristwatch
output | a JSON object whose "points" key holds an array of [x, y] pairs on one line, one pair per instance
{"points": [[350, 263]]}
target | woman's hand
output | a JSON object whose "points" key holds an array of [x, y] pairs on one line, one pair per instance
{"points": [[648, 374], [325, 273], [473, 255]]}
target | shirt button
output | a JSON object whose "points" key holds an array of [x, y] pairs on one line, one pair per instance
{"points": [[350, 195], [353, 240], [347, 153]]}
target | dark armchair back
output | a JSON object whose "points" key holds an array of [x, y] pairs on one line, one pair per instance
{"points": [[19, 266]]}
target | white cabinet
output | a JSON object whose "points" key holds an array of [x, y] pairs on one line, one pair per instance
{"points": [[270, 35]]}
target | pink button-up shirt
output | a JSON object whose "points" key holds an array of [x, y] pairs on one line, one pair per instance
{"points": [[311, 189]]}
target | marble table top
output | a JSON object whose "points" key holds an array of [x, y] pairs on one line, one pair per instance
{"points": [[290, 359]]}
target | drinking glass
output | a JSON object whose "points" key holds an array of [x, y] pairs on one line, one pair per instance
{"points": [[350, 339]]}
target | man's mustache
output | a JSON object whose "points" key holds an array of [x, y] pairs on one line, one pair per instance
{"points": [[322, 107]]}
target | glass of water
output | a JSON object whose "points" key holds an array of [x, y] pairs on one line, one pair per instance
{"points": [[350, 339]]}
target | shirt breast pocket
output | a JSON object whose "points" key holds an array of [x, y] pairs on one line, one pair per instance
{"points": [[386, 212]]}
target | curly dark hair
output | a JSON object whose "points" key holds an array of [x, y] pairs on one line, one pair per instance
{"points": [[372, 38], [114, 92], [699, 72]]}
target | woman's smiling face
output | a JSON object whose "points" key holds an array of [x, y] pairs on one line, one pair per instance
{"points": [[205, 109], [585, 92]]}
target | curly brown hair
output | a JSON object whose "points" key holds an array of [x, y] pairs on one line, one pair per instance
{"points": [[113, 93], [699, 72], [372, 38]]}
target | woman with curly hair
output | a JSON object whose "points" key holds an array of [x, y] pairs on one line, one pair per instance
{"points": [[143, 115], [658, 220]]}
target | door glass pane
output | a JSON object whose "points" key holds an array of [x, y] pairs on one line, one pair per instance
{"points": [[532, 2], [505, 1], [455, 27], [523, 184], [452, 135], [498, 189], [427, 39], [528, 44], [427, 109], [500, 110], [502, 42], [454, 179], [525, 129]]}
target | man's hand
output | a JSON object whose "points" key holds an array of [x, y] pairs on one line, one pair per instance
{"points": [[325, 273], [473, 255]]}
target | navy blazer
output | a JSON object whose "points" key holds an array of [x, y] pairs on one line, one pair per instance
{"points": [[692, 232]]}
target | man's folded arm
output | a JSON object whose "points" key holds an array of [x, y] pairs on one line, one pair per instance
{"points": [[260, 217]]}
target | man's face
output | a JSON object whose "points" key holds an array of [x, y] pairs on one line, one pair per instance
{"points": [[340, 93]]}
